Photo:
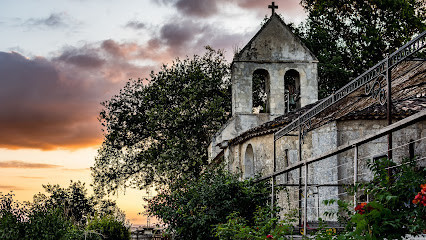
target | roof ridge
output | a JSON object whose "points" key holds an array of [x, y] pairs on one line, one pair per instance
{"points": [[298, 39]]}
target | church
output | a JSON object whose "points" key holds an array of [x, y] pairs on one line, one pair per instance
{"points": [[280, 131]]}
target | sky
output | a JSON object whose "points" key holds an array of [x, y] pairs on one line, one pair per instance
{"points": [[59, 59]]}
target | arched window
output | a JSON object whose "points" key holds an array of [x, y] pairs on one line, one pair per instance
{"points": [[292, 90], [260, 88], [249, 162]]}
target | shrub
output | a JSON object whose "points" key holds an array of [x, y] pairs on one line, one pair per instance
{"points": [[108, 227], [191, 209]]}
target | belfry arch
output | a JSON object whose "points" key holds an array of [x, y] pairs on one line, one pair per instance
{"points": [[261, 91], [292, 93]]}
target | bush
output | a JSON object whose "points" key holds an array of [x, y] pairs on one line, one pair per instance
{"points": [[392, 206], [265, 226], [393, 211], [191, 209], [109, 228], [47, 224], [12, 214]]}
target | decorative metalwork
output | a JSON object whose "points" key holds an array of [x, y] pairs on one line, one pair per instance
{"points": [[376, 89], [408, 49], [304, 128], [376, 71]]}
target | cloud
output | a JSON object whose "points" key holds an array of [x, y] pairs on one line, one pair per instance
{"points": [[26, 165], [27, 177], [84, 58], [54, 103], [11, 188], [184, 37], [178, 33], [135, 25], [198, 8], [76, 169], [208, 8], [54, 20]]}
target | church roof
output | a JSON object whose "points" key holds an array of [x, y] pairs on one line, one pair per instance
{"points": [[275, 42], [408, 98]]}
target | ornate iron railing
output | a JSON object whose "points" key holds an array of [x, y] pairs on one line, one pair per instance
{"points": [[376, 71]]}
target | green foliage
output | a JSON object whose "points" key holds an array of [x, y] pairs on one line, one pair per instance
{"points": [[190, 209], [76, 204], [47, 224], [74, 201], [343, 214], [392, 207], [109, 228], [10, 227], [61, 214], [349, 37], [12, 214], [266, 223], [159, 129], [323, 232]]}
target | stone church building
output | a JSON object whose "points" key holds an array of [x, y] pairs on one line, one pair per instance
{"points": [[275, 81]]}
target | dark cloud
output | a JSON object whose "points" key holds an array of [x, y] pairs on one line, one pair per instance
{"points": [[135, 25], [200, 8], [177, 33], [184, 37], [50, 104], [81, 58], [27, 165], [207, 8], [197, 8], [53, 21], [54, 103]]}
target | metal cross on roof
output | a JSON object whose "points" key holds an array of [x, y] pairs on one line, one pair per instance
{"points": [[273, 7]]}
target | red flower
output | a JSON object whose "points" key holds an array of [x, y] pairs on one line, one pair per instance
{"points": [[421, 196], [269, 236], [360, 208]]}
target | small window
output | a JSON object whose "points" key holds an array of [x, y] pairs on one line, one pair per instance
{"points": [[249, 162]]}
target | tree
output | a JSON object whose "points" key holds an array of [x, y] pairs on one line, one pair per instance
{"points": [[62, 213], [76, 205], [12, 214], [159, 129], [349, 37], [109, 228], [73, 201], [47, 224], [193, 208]]}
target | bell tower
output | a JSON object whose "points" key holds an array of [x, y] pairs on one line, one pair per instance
{"points": [[274, 73]]}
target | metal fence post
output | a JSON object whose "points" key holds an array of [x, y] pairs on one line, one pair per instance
{"points": [[355, 173], [273, 181], [305, 201]]}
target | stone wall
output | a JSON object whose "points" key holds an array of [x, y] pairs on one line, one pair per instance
{"points": [[327, 173]]}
